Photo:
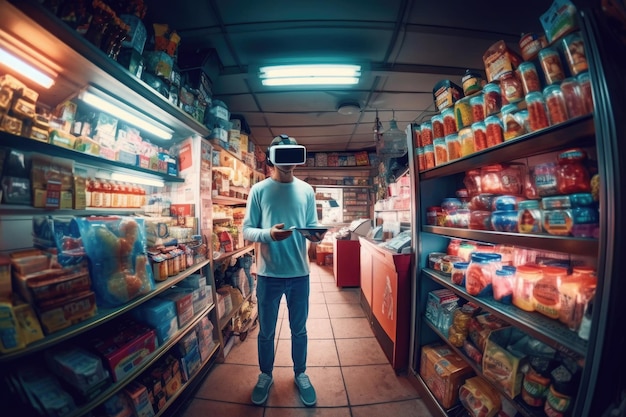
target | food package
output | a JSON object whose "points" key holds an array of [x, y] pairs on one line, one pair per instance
{"points": [[443, 372], [446, 93], [481, 326], [499, 59], [119, 266], [501, 363], [479, 398], [559, 20]]}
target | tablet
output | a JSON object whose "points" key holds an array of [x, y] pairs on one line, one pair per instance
{"points": [[314, 234]]}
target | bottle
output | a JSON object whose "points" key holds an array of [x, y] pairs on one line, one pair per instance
{"points": [[585, 324], [107, 194]]}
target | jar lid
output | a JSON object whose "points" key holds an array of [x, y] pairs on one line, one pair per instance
{"points": [[477, 99], [554, 271], [551, 89], [505, 202], [575, 154], [547, 51], [530, 270], [583, 77], [526, 65], [509, 108], [491, 87], [534, 96], [427, 125], [504, 272], [460, 265]]}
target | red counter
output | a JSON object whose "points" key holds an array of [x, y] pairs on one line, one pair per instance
{"points": [[346, 263]]}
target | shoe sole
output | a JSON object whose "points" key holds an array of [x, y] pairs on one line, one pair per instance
{"points": [[266, 396]]}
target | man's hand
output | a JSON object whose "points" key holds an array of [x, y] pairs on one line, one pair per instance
{"points": [[278, 232]]}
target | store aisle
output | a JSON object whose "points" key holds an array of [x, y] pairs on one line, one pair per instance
{"points": [[346, 365]]}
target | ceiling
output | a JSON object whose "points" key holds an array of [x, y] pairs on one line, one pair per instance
{"points": [[404, 46]]}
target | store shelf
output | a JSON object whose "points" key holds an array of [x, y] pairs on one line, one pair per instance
{"points": [[29, 145], [432, 403], [551, 332], [573, 133], [88, 65], [10, 209], [104, 315], [237, 253], [228, 201], [149, 361], [576, 246], [223, 321], [524, 409]]}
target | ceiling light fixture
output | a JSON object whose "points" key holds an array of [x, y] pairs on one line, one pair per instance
{"points": [[347, 109], [107, 104], [23, 68], [319, 74]]}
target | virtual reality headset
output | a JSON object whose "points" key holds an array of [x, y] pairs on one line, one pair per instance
{"points": [[287, 155]]}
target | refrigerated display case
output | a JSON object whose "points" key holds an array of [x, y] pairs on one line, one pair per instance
{"points": [[601, 385]]}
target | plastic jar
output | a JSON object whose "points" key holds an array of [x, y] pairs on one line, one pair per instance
{"points": [[511, 88], [574, 51], [454, 146], [545, 179], [479, 132], [449, 121], [551, 65], [529, 77], [450, 204], [480, 272], [459, 270], [512, 126], [530, 44], [585, 91], [472, 182], [432, 214], [466, 138], [463, 113], [571, 174], [559, 398], [437, 125], [493, 99], [477, 104], [426, 130], [555, 104], [526, 278], [503, 281], [573, 100], [417, 136], [493, 130], [529, 217], [429, 156], [537, 114], [504, 220], [480, 220], [421, 164], [546, 291], [441, 151]]}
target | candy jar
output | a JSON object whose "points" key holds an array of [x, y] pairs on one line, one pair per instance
{"points": [[571, 174]]}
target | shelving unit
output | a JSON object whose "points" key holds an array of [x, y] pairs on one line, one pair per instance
{"points": [[433, 184]]}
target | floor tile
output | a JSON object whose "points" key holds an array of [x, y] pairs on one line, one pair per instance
{"points": [[307, 412], [315, 328], [372, 384], [317, 298], [203, 408], [243, 353], [327, 381], [409, 408], [343, 296], [318, 311], [345, 310], [360, 351], [322, 352], [351, 327], [230, 383]]}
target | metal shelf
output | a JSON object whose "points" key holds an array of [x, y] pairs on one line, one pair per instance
{"points": [[29, 145], [228, 201], [552, 332], [237, 253], [575, 132], [104, 315], [572, 245]]}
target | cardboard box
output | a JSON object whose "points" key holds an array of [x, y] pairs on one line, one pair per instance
{"points": [[437, 300], [139, 399], [59, 313], [444, 372], [503, 366], [183, 298]]}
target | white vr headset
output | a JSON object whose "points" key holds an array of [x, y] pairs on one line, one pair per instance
{"points": [[287, 155]]}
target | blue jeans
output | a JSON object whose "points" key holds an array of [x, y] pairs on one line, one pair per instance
{"points": [[269, 292]]}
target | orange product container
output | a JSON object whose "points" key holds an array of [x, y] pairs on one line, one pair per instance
{"points": [[429, 156], [421, 165], [449, 122], [426, 130], [529, 77], [454, 146], [477, 103], [537, 115], [574, 293], [574, 51], [441, 151], [551, 65], [493, 133], [546, 291], [417, 136], [466, 138], [437, 124], [573, 99], [526, 276], [585, 91], [555, 103]]}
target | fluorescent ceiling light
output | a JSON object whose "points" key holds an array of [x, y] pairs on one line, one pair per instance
{"points": [[106, 105], [320, 74], [155, 182], [25, 69]]}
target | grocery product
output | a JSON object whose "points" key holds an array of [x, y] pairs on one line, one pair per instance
{"points": [[472, 82], [503, 281], [526, 278], [493, 131], [585, 91], [466, 139], [463, 113], [551, 65], [493, 99], [537, 114], [449, 121], [480, 272], [546, 291], [446, 93], [555, 104], [573, 98], [477, 103], [571, 174], [511, 88], [529, 218], [441, 151], [530, 44], [529, 77], [454, 146], [574, 51], [512, 124], [426, 130], [437, 126]]}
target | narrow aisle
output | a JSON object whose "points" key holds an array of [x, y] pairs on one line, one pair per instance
{"points": [[346, 365]]}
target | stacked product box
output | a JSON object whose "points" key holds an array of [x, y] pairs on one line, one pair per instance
{"points": [[160, 314]]}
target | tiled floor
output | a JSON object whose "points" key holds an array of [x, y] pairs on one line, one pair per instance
{"points": [[346, 365]]}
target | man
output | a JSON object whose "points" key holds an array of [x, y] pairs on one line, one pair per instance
{"points": [[274, 205]]}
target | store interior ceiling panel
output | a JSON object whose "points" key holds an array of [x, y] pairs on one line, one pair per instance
{"points": [[404, 47]]}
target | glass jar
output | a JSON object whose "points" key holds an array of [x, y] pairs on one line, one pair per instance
{"points": [[437, 125], [477, 103], [573, 100], [492, 98], [511, 124], [529, 217], [526, 278], [551, 65], [479, 132], [511, 88], [426, 130], [472, 182], [421, 165], [480, 272], [417, 136], [480, 220], [529, 77], [441, 151], [466, 138], [537, 115], [571, 174], [454, 146], [503, 281], [504, 220], [463, 113], [449, 122], [458, 273], [574, 51], [555, 104], [546, 291], [432, 214], [574, 293], [493, 131], [472, 82], [585, 91], [429, 156]]}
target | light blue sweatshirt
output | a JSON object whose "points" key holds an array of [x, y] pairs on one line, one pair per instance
{"points": [[271, 202]]}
